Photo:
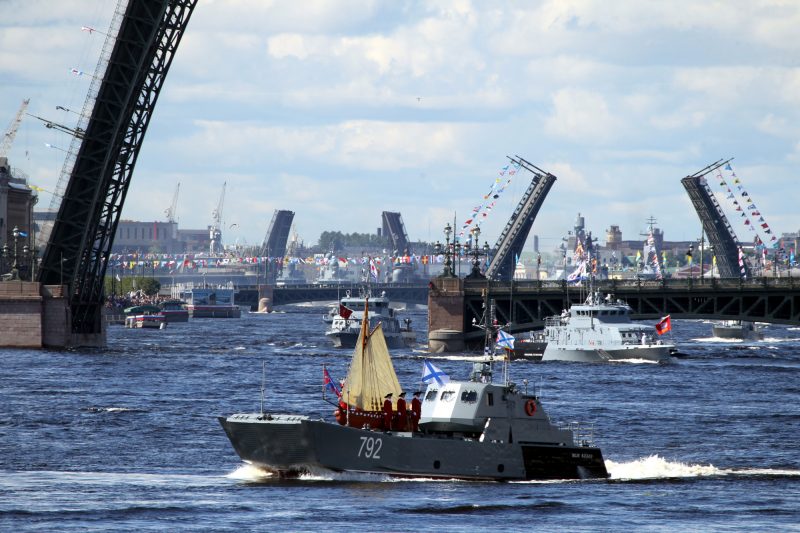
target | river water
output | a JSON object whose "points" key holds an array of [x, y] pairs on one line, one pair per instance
{"points": [[126, 439]]}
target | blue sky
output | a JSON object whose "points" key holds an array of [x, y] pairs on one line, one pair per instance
{"points": [[341, 110]]}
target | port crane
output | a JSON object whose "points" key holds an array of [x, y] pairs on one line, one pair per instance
{"points": [[170, 211], [215, 231], [11, 130]]}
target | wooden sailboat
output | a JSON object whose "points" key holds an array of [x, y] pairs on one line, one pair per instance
{"points": [[369, 380]]}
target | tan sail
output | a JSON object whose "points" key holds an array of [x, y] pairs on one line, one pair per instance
{"points": [[371, 375]]}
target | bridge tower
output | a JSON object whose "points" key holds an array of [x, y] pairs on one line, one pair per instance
{"points": [[512, 239], [274, 244], [715, 223], [80, 241]]}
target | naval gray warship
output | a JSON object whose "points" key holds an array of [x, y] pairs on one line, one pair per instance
{"points": [[600, 330], [475, 429]]}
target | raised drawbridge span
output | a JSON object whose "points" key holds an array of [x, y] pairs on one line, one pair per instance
{"points": [[512, 239], [82, 235], [277, 237], [395, 230], [715, 223]]}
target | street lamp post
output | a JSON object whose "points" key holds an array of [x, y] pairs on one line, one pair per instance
{"points": [[15, 266], [448, 270], [473, 247]]}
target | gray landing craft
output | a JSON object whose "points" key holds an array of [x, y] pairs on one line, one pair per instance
{"points": [[601, 330], [738, 329], [474, 429]]}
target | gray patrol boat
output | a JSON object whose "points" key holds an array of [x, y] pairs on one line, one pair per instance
{"points": [[475, 429], [346, 321], [601, 330]]}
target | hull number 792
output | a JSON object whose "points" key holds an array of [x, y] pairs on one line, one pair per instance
{"points": [[370, 447]]}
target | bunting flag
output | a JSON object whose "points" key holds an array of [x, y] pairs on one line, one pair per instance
{"points": [[481, 212], [750, 208]]}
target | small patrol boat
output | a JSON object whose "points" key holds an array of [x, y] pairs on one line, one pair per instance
{"points": [[601, 330], [738, 329], [476, 429], [345, 324]]}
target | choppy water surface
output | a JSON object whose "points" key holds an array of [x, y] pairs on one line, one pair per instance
{"points": [[126, 438]]}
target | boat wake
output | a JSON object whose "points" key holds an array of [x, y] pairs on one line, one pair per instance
{"points": [[250, 473], [635, 361], [656, 467], [115, 410], [718, 339]]}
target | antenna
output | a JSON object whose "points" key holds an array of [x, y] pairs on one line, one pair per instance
{"points": [[263, 379]]}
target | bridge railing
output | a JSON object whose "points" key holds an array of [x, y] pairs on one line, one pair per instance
{"points": [[613, 285]]}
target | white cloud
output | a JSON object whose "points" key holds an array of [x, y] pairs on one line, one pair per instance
{"points": [[582, 116], [299, 104], [365, 145]]}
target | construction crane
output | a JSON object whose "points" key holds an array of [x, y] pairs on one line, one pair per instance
{"points": [[11, 131], [215, 232], [170, 211]]}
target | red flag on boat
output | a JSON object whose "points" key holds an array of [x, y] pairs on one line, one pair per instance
{"points": [[664, 326], [344, 312]]}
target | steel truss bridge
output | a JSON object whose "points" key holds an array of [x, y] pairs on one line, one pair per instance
{"points": [[82, 235], [416, 293], [525, 304]]}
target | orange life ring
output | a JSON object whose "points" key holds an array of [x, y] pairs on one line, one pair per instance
{"points": [[530, 407]]}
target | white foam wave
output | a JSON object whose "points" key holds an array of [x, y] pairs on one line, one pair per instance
{"points": [[635, 361], [248, 472], [655, 467], [114, 410], [321, 474], [716, 339], [471, 358]]}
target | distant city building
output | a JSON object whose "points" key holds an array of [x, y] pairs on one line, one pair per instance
{"points": [[613, 238], [159, 237], [16, 205], [195, 240], [148, 236]]}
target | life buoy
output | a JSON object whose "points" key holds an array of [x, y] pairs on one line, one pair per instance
{"points": [[530, 407]]}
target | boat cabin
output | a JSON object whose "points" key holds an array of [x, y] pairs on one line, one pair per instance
{"points": [[485, 411], [205, 296]]}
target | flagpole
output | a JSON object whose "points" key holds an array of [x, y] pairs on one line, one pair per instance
{"points": [[263, 377]]}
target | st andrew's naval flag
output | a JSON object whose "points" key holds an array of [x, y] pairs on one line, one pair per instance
{"points": [[329, 384], [504, 340], [432, 373]]}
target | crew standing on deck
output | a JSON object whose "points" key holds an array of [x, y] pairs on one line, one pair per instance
{"points": [[402, 414], [416, 411], [387, 412]]}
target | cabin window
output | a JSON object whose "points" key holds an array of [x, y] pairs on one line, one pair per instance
{"points": [[447, 396], [489, 399], [469, 396], [431, 395]]}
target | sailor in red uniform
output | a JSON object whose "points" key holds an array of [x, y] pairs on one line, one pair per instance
{"points": [[402, 414], [416, 411], [387, 412]]}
